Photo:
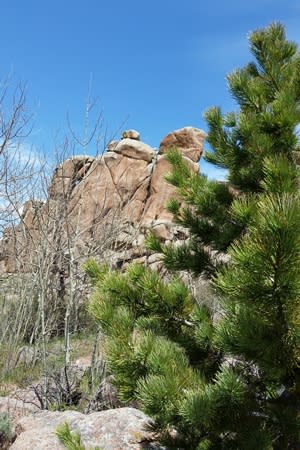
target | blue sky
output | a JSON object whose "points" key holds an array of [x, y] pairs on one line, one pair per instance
{"points": [[155, 65]]}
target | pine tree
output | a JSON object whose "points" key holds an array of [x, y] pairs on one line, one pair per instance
{"points": [[234, 384], [267, 92]]}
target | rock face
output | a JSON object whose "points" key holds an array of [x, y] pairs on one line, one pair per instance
{"points": [[107, 202], [116, 429]]}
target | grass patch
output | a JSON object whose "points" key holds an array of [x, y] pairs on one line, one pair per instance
{"points": [[24, 374]]}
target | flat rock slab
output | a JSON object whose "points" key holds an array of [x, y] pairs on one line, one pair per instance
{"points": [[135, 149], [114, 429]]}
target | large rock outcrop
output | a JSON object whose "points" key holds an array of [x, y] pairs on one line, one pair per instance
{"points": [[103, 204]]}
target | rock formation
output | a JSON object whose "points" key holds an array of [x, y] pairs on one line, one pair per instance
{"points": [[110, 200]]}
